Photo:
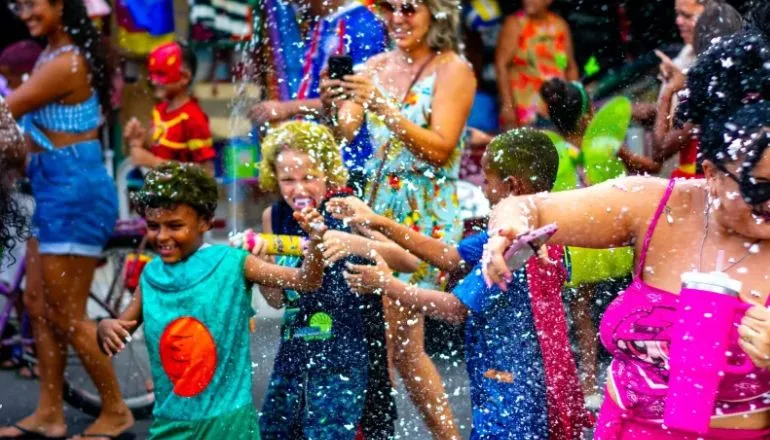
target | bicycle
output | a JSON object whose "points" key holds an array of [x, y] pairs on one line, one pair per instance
{"points": [[107, 298]]}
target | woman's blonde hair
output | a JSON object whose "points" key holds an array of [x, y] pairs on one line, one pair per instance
{"points": [[313, 139], [444, 32]]}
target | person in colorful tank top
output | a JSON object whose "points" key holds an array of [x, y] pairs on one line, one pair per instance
{"points": [[534, 46], [411, 104], [180, 128], [679, 226], [199, 354], [333, 349]]}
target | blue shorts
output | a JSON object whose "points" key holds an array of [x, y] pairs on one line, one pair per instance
{"points": [[76, 202]]}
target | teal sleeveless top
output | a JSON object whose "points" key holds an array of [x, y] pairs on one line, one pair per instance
{"points": [[196, 324]]}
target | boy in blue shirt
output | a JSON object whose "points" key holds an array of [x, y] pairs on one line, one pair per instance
{"points": [[513, 395]]}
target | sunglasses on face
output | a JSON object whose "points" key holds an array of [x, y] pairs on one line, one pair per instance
{"points": [[755, 191], [389, 9]]}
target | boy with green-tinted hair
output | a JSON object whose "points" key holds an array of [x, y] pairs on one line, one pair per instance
{"points": [[195, 303]]}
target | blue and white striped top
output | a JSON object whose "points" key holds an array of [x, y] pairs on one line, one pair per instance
{"points": [[71, 118]]}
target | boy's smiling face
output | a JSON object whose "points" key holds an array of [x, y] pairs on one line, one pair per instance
{"points": [[175, 233], [300, 180]]}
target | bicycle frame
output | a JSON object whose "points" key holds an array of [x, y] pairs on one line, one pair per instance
{"points": [[12, 293]]}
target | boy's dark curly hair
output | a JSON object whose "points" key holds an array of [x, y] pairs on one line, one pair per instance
{"points": [[173, 184]]}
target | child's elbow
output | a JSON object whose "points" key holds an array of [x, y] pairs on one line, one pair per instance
{"points": [[457, 315]]}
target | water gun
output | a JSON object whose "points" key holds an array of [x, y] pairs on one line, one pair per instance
{"points": [[289, 245]]}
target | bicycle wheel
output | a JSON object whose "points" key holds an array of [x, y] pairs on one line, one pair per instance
{"points": [[107, 299]]}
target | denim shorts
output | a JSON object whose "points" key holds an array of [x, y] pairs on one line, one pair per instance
{"points": [[76, 202]]}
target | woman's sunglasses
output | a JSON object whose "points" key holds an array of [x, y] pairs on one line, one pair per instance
{"points": [[755, 192], [389, 9]]}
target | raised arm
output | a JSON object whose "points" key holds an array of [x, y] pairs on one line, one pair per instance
{"points": [[338, 245], [52, 82], [611, 214], [638, 164], [379, 278], [452, 100], [434, 252], [307, 278]]}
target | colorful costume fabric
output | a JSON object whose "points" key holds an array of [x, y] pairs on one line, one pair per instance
{"points": [[319, 381], [524, 382], [412, 191], [182, 134], [199, 354], [281, 45], [155, 16], [222, 20], [355, 31], [541, 55], [132, 38]]}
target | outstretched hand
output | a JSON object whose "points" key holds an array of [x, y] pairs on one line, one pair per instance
{"points": [[135, 134], [113, 334], [312, 222], [351, 210], [366, 279], [754, 333], [361, 90]]}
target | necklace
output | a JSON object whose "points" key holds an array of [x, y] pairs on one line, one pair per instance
{"points": [[747, 254]]}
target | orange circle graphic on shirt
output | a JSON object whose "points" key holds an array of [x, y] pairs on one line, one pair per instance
{"points": [[188, 355]]}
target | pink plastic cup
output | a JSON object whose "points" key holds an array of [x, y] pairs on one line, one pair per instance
{"points": [[699, 357]]}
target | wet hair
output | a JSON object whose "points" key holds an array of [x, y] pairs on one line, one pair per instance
{"points": [[444, 32], [526, 154], [20, 57], [173, 184], [725, 89], [567, 102], [81, 29], [13, 222], [313, 139], [718, 20], [744, 137]]}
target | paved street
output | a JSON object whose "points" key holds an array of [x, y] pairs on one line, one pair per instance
{"points": [[18, 396]]}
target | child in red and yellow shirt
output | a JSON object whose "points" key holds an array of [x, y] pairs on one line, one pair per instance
{"points": [[180, 128]]}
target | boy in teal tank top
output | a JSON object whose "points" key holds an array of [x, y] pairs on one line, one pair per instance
{"points": [[195, 303]]}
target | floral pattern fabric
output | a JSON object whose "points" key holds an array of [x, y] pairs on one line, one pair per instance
{"points": [[541, 55], [413, 191]]}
